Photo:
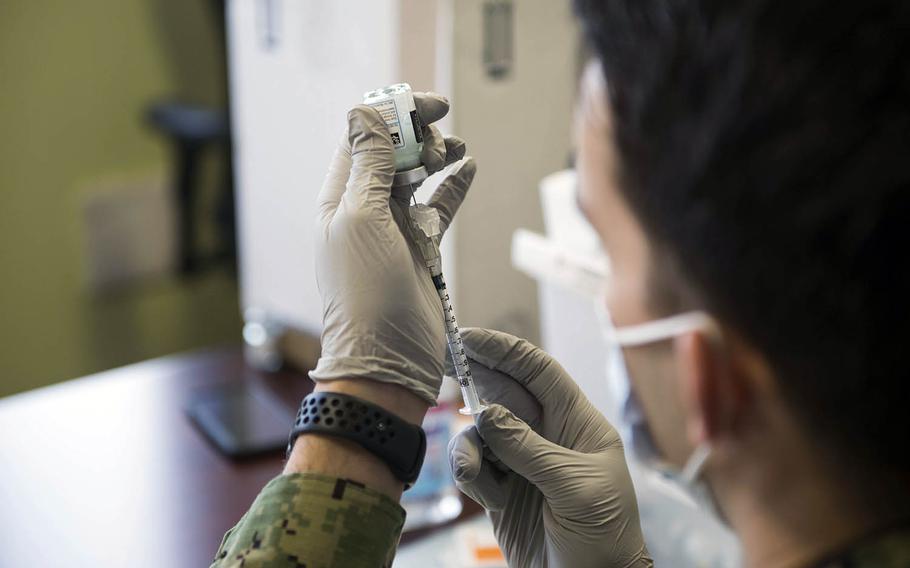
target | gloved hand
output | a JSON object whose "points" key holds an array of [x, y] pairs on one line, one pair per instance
{"points": [[562, 495], [382, 317]]}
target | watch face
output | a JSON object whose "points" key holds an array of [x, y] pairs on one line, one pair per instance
{"points": [[435, 476]]}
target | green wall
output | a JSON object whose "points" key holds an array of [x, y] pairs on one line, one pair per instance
{"points": [[75, 78]]}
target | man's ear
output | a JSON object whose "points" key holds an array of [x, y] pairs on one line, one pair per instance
{"points": [[712, 396]]}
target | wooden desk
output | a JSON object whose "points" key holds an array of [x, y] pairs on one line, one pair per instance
{"points": [[107, 471]]}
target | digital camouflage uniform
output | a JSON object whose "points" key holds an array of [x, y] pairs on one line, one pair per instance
{"points": [[314, 521]]}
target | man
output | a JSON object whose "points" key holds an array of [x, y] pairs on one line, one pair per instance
{"points": [[745, 164]]}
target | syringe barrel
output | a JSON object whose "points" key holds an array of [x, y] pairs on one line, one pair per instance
{"points": [[456, 350], [472, 404]]}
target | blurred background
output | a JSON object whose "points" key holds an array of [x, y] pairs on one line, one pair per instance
{"points": [[117, 219], [88, 206]]}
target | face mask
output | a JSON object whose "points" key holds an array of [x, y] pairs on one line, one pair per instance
{"points": [[633, 426]]}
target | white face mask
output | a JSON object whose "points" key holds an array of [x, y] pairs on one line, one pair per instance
{"points": [[633, 426]]}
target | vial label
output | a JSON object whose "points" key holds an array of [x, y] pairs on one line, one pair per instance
{"points": [[389, 113], [418, 128], [395, 105]]}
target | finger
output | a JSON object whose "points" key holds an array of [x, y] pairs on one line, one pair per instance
{"points": [[530, 366], [499, 388], [486, 489], [522, 450], [430, 107], [433, 155], [465, 454], [450, 194], [335, 181], [496, 387], [372, 160], [440, 151], [474, 476], [455, 149]]}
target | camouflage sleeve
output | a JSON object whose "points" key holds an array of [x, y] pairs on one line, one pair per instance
{"points": [[314, 521]]}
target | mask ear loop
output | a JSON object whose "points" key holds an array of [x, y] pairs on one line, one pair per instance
{"points": [[650, 331], [696, 463], [660, 329]]}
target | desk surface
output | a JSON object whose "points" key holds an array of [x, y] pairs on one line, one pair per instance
{"points": [[108, 471]]}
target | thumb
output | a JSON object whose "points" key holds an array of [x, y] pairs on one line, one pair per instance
{"points": [[521, 449], [335, 181], [372, 158], [474, 476]]}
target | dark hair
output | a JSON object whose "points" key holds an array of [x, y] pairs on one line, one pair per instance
{"points": [[765, 148]]}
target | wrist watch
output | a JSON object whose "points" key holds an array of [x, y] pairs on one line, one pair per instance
{"points": [[400, 444]]}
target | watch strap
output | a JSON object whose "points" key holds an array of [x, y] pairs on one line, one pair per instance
{"points": [[400, 444]]}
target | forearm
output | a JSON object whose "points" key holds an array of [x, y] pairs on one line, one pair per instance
{"points": [[335, 505], [332, 456]]}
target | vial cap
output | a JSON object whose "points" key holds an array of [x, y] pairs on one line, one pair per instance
{"points": [[426, 219]]}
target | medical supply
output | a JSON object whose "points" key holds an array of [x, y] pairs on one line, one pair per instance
{"points": [[477, 547], [395, 104], [434, 499], [425, 229]]}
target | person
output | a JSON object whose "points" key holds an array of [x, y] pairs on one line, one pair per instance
{"points": [[745, 165]]}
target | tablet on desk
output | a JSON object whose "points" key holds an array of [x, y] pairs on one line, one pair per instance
{"points": [[242, 422]]}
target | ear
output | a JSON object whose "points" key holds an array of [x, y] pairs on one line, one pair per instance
{"points": [[711, 397]]}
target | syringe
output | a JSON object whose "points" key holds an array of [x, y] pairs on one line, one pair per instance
{"points": [[472, 404], [426, 232], [396, 107]]}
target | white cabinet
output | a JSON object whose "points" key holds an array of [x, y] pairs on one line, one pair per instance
{"points": [[296, 66]]}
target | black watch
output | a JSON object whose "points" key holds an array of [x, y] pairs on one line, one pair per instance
{"points": [[401, 445]]}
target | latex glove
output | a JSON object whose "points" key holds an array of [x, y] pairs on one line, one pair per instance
{"points": [[381, 314], [567, 500]]}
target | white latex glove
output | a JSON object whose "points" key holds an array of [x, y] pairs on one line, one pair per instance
{"points": [[562, 496], [382, 317]]}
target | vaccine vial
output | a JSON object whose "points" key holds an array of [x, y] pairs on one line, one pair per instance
{"points": [[395, 104]]}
